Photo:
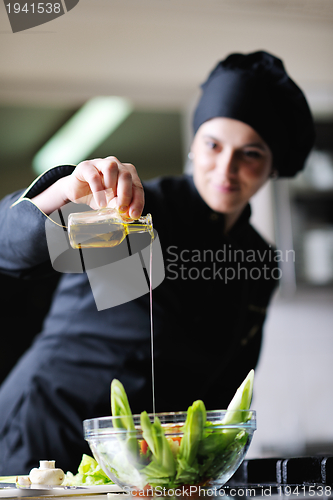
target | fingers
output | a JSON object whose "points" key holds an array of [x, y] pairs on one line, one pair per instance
{"points": [[109, 170], [130, 191], [124, 190], [138, 201], [100, 181], [89, 181]]}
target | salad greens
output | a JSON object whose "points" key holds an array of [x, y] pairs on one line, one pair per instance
{"points": [[163, 465], [188, 467], [121, 408], [163, 458], [241, 401], [89, 473]]}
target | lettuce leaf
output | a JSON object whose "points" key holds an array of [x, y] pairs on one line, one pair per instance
{"points": [[162, 468], [89, 473], [187, 464], [121, 408]]}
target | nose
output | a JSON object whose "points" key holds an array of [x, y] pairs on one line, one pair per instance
{"points": [[227, 163]]}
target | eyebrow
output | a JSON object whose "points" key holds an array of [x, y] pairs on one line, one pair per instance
{"points": [[255, 145], [258, 145]]}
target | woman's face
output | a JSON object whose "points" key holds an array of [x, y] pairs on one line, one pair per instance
{"points": [[231, 162]]}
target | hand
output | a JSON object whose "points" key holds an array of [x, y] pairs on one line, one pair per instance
{"points": [[97, 183], [103, 182]]}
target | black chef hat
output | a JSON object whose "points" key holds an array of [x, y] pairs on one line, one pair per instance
{"points": [[255, 89]]}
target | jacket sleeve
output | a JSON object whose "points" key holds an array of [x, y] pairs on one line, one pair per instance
{"points": [[23, 246]]}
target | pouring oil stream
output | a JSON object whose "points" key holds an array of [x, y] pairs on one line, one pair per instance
{"points": [[151, 320]]}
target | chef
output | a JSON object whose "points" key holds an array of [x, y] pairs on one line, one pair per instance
{"points": [[252, 123]]}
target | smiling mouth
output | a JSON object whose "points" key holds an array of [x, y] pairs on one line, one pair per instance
{"points": [[226, 188]]}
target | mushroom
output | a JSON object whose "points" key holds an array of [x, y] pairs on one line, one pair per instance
{"points": [[47, 474], [23, 481]]}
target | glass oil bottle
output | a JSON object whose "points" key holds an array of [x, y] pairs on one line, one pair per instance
{"points": [[105, 227]]}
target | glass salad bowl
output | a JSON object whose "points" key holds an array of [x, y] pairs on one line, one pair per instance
{"points": [[173, 451]]}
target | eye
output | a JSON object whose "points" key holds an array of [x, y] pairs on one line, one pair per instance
{"points": [[252, 153], [211, 144]]}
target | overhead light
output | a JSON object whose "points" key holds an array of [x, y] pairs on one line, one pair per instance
{"points": [[80, 136]]}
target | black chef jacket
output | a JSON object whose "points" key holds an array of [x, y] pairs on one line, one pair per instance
{"points": [[207, 326]]}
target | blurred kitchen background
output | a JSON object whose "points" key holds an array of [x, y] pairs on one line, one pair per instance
{"points": [[155, 53]]}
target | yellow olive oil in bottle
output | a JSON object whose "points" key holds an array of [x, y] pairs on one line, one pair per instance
{"points": [[104, 228]]}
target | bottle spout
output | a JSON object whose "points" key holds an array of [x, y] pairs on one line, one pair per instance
{"points": [[146, 224]]}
